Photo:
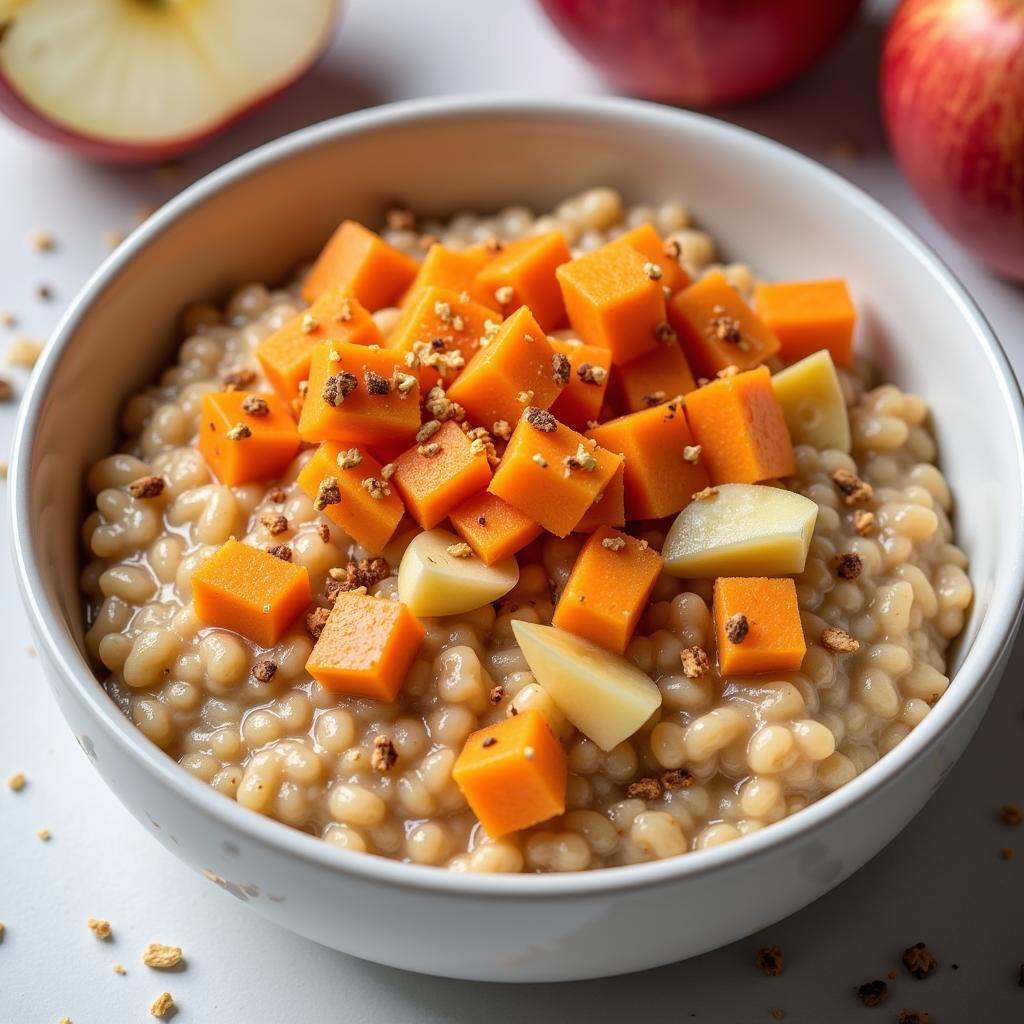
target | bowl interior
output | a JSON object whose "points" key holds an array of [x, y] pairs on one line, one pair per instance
{"points": [[785, 216]]}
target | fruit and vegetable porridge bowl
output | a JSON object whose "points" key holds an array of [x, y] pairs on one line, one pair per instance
{"points": [[534, 539], [524, 542]]}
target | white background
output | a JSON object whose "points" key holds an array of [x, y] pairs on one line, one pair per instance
{"points": [[942, 881]]}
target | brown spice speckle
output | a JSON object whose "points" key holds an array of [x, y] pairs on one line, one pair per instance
{"points": [[540, 419]]}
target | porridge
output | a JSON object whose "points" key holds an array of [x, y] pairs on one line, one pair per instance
{"points": [[524, 543]]}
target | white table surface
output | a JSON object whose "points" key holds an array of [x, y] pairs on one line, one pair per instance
{"points": [[942, 881]]}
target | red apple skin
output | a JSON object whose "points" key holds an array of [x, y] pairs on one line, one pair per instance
{"points": [[108, 151], [953, 99], [700, 53]]}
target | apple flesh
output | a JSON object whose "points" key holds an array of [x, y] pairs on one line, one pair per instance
{"points": [[953, 99], [136, 81], [701, 52]]}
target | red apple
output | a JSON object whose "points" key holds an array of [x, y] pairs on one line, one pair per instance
{"points": [[136, 81], [953, 96], [701, 52]]}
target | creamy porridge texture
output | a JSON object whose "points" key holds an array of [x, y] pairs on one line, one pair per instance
{"points": [[882, 593]]}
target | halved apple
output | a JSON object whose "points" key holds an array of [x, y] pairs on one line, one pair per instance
{"points": [[133, 81]]}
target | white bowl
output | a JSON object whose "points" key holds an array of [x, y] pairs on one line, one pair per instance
{"points": [[262, 214]]}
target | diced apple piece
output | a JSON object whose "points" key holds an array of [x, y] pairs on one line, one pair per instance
{"points": [[606, 697], [812, 401], [439, 575], [742, 530]]}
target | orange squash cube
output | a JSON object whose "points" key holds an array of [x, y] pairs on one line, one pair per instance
{"points": [[609, 507], [517, 368], [646, 240], [809, 315], [366, 647], [360, 395], [660, 375], [551, 473], [360, 262], [659, 478], [284, 355], [614, 300], [523, 274], [454, 269], [717, 329], [249, 591], [757, 622], [581, 399], [441, 314], [244, 435], [492, 527], [513, 774], [608, 588], [437, 475], [740, 426], [347, 485]]}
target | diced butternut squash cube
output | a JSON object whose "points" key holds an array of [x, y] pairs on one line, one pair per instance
{"points": [[757, 622], [285, 355], [606, 697], [646, 240], [551, 473], [513, 774], [659, 376], [663, 469], [516, 368], [366, 647], [809, 315], [437, 475], [608, 588], [613, 299], [609, 507], [246, 436], [437, 323], [492, 527], [439, 575], [247, 590], [739, 424], [347, 485], [741, 530], [523, 274], [363, 264], [717, 329], [359, 395], [454, 269], [581, 399], [812, 402]]}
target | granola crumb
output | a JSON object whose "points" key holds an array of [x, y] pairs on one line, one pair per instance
{"points": [[118, 969], [274, 523], [848, 565], [647, 788], [838, 641], [502, 429], [6, 390], [147, 487], [665, 333], [677, 778], [282, 551], [540, 419], [16, 782], [237, 380], [863, 521], [525, 397], [613, 543], [696, 662], [655, 398], [653, 271], [428, 430], [583, 460], [44, 834], [338, 386], [162, 1005], [24, 352], [778, 1013], [872, 993], [1007, 853], [496, 695], [376, 488], [460, 550], [691, 453], [161, 957], [384, 754], [705, 494], [539, 459], [8, 319], [769, 960], [255, 405], [328, 493], [736, 628], [919, 960], [239, 432], [100, 927], [504, 295], [428, 451], [264, 670], [44, 292], [376, 384], [315, 622], [43, 241], [913, 1017], [1011, 814], [561, 369], [591, 374], [854, 490]]}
